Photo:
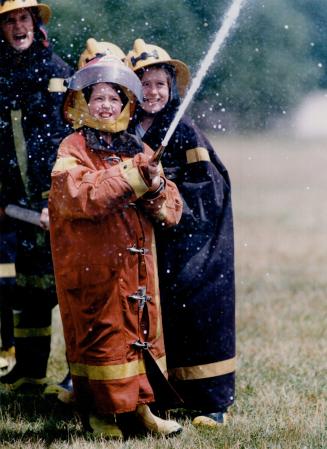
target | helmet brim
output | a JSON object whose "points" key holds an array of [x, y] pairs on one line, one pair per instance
{"points": [[44, 10], [104, 73], [183, 75]]}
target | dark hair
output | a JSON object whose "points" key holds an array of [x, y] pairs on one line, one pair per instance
{"points": [[168, 68], [170, 71], [40, 35], [87, 91]]}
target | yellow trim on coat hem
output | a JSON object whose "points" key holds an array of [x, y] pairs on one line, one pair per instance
{"points": [[7, 270], [204, 371], [133, 177], [198, 154], [20, 332], [112, 372]]}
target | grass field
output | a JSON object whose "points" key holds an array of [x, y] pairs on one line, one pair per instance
{"points": [[280, 198]]}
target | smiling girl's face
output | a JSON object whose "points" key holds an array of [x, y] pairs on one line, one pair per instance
{"points": [[105, 103], [155, 89]]}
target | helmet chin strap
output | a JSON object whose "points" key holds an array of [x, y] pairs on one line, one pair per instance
{"points": [[79, 116]]}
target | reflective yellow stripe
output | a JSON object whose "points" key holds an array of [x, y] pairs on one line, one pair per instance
{"points": [[20, 332], [20, 143], [198, 154], [204, 371], [133, 177], [162, 364], [57, 85], [65, 163], [108, 372], [112, 372], [7, 270]]}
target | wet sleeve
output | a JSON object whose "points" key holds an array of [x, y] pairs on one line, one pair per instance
{"points": [[79, 190], [203, 184]]}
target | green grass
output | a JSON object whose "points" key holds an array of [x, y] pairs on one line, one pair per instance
{"points": [[279, 191]]}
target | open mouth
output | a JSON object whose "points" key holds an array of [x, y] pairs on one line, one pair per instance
{"points": [[151, 100], [105, 115], [20, 37]]}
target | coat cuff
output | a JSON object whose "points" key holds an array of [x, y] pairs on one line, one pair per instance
{"points": [[152, 195], [134, 178]]}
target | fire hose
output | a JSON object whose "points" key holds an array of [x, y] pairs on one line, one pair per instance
{"points": [[20, 213]]}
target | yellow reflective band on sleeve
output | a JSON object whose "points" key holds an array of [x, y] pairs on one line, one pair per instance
{"points": [[204, 371], [65, 163], [20, 332], [198, 154], [7, 270], [57, 85], [111, 372], [133, 177]]}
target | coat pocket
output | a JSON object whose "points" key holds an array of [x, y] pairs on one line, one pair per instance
{"points": [[91, 309]]}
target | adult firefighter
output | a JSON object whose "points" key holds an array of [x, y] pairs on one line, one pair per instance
{"points": [[196, 258], [31, 92], [104, 198]]}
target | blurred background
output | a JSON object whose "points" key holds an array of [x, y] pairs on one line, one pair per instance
{"points": [[263, 105], [270, 75]]}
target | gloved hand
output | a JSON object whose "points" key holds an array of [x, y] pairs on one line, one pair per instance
{"points": [[150, 171]]}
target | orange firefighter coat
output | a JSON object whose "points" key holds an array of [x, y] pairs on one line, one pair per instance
{"points": [[105, 267]]}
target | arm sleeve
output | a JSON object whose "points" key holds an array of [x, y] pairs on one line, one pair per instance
{"points": [[201, 179], [79, 190]]}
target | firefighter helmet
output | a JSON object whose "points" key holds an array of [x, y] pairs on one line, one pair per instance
{"points": [[11, 5], [95, 48], [145, 55], [106, 69]]}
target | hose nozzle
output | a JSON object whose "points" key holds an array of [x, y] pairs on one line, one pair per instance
{"points": [[158, 154]]}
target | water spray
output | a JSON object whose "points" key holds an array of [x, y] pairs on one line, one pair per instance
{"points": [[221, 35]]}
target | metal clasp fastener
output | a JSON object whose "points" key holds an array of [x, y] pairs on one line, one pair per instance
{"points": [[140, 296], [138, 344], [134, 250], [115, 159]]}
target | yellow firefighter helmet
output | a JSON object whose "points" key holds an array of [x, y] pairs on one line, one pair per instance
{"points": [[145, 55], [94, 48], [105, 69], [11, 5]]}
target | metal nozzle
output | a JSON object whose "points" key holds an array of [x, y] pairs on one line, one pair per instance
{"points": [[158, 154]]}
